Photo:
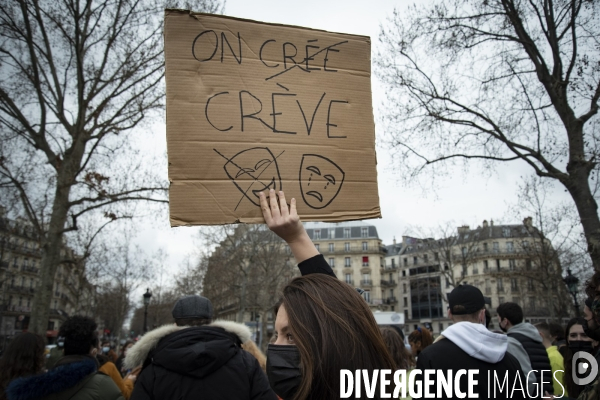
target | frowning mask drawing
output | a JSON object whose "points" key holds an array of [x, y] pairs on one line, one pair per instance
{"points": [[320, 180], [253, 171]]}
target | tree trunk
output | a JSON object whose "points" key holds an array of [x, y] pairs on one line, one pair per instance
{"points": [[578, 187], [52, 239]]}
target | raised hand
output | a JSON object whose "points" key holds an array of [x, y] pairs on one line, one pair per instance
{"points": [[286, 224]]}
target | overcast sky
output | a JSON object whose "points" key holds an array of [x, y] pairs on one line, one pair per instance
{"points": [[466, 198]]}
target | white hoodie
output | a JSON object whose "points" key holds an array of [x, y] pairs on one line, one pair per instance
{"points": [[477, 341]]}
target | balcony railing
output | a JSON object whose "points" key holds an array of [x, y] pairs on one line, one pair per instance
{"points": [[385, 282], [366, 282], [349, 281], [32, 270], [391, 300], [390, 267]]}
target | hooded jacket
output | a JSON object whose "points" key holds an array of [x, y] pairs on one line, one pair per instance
{"points": [[203, 362], [73, 378], [466, 346], [529, 337]]}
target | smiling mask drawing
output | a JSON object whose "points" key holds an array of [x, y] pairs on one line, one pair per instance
{"points": [[320, 180], [252, 171]]}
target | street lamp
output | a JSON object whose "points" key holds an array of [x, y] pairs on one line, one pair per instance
{"points": [[257, 318], [572, 283], [147, 296]]}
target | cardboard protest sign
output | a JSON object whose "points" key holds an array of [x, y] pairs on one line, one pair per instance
{"points": [[253, 106]]}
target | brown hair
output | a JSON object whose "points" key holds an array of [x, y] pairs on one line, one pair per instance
{"points": [[473, 317], [402, 357], [24, 356], [421, 335], [333, 329]]}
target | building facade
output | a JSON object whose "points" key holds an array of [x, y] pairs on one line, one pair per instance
{"points": [[357, 256], [506, 262], [20, 259]]}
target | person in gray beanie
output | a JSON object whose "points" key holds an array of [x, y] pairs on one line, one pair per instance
{"points": [[197, 358]]}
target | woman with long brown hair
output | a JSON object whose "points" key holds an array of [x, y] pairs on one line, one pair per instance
{"points": [[419, 339], [323, 325], [24, 356]]}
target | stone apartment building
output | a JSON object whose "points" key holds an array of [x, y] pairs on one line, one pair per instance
{"points": [[356, 254], [20, 258], [507, 262]]}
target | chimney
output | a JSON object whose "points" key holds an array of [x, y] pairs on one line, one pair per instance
{"points": [[491, 222], [528, 222], [394, 240], [485, 223], [463, 229]]}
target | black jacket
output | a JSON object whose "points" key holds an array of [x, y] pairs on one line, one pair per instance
{"points": [[531, 341], [203, 362], [488, 357]]}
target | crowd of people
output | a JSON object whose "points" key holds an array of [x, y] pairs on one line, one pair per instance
{"points": [[322, 326]]}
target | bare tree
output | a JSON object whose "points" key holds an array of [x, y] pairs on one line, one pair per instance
{"points": [[76, 78], [498, 81], [555, 243], [247, 270]]}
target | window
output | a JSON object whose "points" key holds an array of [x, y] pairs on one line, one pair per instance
{"points": [[436, 256], [55, 304], [331, 233], [506, 232], [364, 232], [367, 296], [317, 234], [532, 303], [366, 277], [425, 258], [485, 265], [500, 300], [365, 261], [20, 301], [447, 283], [465, 270], [332, 262], [405, 262], [349, 278], [485, 247], [464, 251], [15, 265], [403, 273], [496, 247], [514, 284], [346, 246], [512, 265], [528, 265], [393, 263], [331, 247], [404, 288], [346, 232], [31, 283], [415, 260], [26, 263], [525, 244], [22, 281], [365, 246], [391, 292], [347, 262], [405, 302], [529, 284], [317, 246], [500, 286], [510, 247], [498, 264]]}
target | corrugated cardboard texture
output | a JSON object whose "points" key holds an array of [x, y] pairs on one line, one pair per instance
{"points": [[253, 106]]}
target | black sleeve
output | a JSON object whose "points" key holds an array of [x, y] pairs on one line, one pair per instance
{"points": [[316, 265], [260, 387]]}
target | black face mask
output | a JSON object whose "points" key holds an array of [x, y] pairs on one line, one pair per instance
{"points": [[283, 370], [581, 345]]}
